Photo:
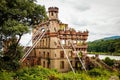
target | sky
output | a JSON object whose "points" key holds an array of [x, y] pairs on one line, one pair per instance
{"points": [[100, 17]]}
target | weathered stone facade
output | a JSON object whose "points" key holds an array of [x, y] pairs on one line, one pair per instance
{"points": [[48, 52]]}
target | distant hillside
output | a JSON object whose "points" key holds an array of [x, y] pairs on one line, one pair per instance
{"points": [[107, 38], [107, 45], [112, 37]]}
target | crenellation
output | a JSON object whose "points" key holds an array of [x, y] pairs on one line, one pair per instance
{"points": [[50, 9]]}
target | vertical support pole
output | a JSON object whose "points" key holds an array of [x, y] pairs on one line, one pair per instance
{"points": [[67, 58], [79, 57]]}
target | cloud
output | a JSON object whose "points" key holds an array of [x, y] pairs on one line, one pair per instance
{"points": [[100, 17], [79, 5], [82, 7], [118, 22], [25, 39]]}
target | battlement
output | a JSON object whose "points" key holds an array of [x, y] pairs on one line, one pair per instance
{"points": [[53, 9]]}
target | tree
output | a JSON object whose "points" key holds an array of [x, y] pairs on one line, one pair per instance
{"points": [[117, 46], [15, 18], [112, 46]]}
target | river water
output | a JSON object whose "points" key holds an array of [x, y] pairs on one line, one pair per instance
{"points": [[104, 56]]}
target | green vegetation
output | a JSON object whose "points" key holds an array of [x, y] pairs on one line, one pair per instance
{"points": [[105, 46], [109, 61], [39, 73], [4, 75], [16, 17]]}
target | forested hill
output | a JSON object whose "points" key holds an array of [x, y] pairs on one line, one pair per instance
{"points": [[105, 45], [112, 37]]}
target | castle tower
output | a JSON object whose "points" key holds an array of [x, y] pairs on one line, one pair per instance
{"points": [[53, 19], [53, 13]]}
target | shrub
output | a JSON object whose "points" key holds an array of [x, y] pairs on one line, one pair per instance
{"points": [[39, 73], [95, 72], [109, 61], [4, 75], [35, 73]]}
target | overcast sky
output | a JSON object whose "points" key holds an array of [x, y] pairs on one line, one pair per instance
{"points": [[100, 17]]}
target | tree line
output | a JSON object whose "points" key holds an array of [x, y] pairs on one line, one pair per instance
{"points": [[109, 46]]}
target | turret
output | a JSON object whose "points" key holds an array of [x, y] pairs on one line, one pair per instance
{"points": [[53, 12]]}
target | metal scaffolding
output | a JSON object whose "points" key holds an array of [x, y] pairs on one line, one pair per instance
{"points": [[78, 56], [34, 44]]}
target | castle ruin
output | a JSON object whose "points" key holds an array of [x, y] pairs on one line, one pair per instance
{"points": [[48, 51]]}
